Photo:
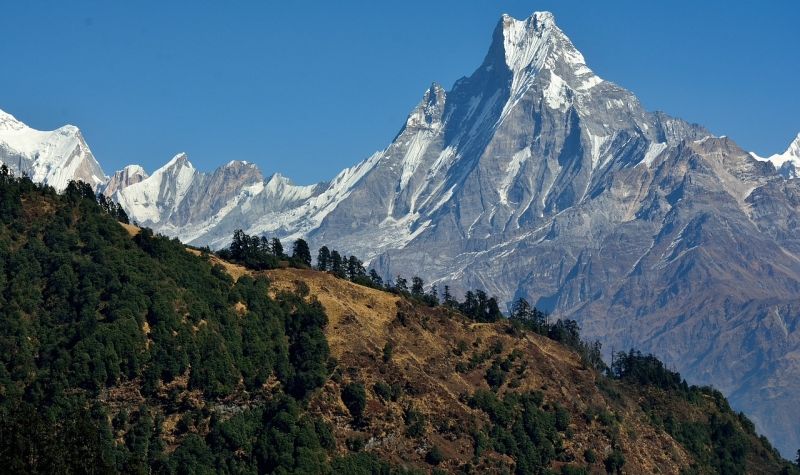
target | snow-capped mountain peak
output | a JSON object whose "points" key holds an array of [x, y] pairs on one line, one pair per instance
{"points": [[525, 42], [179, 160], [788, 162], [537, 43], [51, 157], [794, 148], [9, 122]]}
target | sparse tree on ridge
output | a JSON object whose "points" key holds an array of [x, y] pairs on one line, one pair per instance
{"points": [[337, 265], [323, 258], [447, 298], [377, 281], [301, 252], [401, 285], [417, 287], [433, 295], [277, 248], [355, 268]]}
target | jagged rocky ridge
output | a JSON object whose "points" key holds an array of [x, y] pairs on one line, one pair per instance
{"points": [[534, 177]]}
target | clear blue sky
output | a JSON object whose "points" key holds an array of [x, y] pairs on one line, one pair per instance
{"points": [[307, 88]]}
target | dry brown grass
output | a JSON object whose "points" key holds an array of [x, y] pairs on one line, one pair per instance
{"points": [[132, 230], [234, 270], [345, 304], [363, 320]]}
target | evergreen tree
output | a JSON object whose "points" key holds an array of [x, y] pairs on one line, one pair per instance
{"points": [[355, 269], [417, 287], [377, 281], [433, 295], [470, 305], [277, 248], [323, 258], [493, 312], [337, 265], [401, 285], [238, 244], [447, 297], [301, 253], [521, 310], [354, 398]]}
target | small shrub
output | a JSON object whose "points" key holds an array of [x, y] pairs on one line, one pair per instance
{"points": [[606, 418], [415, 423], [388, 349], [434, 456], [495, 376], [354, 398], [355, 444], [386, 392], [461, 348], [562, 418], [614, 462]]}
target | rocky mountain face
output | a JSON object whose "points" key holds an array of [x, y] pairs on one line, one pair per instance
{"points": [[535, 178], [128, 176], [51, 157]]}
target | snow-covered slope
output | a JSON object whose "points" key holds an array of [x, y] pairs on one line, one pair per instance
{"points": [[788, 162], [51, 157], [158, 195]]}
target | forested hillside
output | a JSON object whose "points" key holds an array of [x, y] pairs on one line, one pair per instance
{"points": [[123, 352]]}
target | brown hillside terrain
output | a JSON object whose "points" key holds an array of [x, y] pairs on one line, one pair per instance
{"points": [[428, 344], [433, 360]]}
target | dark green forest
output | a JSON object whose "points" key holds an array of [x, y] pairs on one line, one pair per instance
{"points": [[83, 308]]}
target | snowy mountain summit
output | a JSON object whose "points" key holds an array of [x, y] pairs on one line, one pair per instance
{"points": [[51, 157], [788, 162], [533, 177]]}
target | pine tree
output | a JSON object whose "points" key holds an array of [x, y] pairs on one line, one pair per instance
{"points": [[521, 310], [238, 244], [377, 281], [447, 297], [433, 295], [470, 305], [355, 268], [323, 258], [401, 285], [493, 312], [301, 252], [417, 287], [337, 266], [277, 248]]}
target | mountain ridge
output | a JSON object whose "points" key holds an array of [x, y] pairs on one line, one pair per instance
{"points": [[535, 178], [163, 358]]}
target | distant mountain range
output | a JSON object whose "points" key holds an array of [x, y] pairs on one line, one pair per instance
{"points": [[533, 178]]}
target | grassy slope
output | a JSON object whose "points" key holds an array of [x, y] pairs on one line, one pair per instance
{"points": [[426, 347]]}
